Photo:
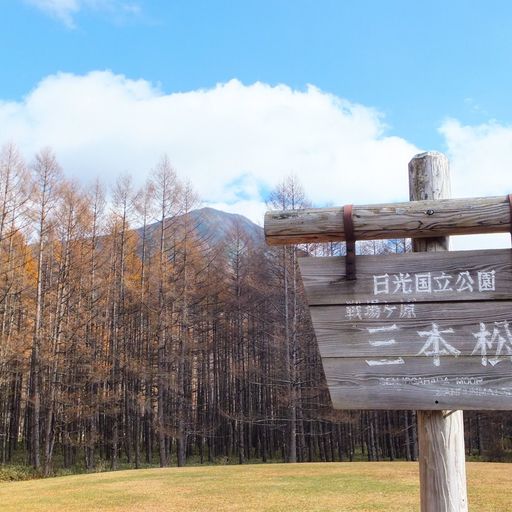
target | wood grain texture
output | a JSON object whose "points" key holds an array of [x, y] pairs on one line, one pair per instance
{"points": [[338, 336], [415, 219], [441, 433], [418, 384], [325, 283]]}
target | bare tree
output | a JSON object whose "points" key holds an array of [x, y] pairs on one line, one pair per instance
{"points": [[46, 172]]}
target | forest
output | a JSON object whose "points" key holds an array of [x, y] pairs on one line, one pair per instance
{"points": [[132, 335]]}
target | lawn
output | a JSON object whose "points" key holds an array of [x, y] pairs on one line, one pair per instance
{"points": [[345, 487]]}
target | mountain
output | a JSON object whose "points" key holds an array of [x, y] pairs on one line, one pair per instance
{"points": [[213, 226]]}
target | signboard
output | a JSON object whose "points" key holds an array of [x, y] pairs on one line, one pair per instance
{"points": [[415, 331]]}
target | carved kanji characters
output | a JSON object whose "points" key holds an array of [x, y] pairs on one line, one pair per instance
{"points": [[443, 282], [389, 310], [381, 284], [372, 311], [464, 282], [482, 343], [502, 336], [436, 345], [383, 343], [423, 282], [354, 312], [487, 281], [407, 310], [403, 283]]}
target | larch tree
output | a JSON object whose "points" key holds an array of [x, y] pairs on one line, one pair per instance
{"points": [[168, 196], [289, 195], [46, 174]]}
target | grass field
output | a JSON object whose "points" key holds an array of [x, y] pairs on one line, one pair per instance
{"points": [[318, 487]]}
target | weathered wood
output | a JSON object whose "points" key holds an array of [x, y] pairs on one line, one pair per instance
{"points": [[471, 328], [325, 283], [440, 433], [418, 384], [418, 219], [442, 480]]}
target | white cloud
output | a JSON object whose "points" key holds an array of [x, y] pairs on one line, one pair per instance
{"points": [[63, 10], [480, 164], [481, 158], [233, 141], [253, 209], [66, 10]]}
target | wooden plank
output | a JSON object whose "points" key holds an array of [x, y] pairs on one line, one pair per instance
{"points": [[467, 327], [416, 219], [418, 384], [424, 277]]}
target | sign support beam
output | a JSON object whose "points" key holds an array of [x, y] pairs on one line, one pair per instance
{"points": [[419, 219], [440, 433]]}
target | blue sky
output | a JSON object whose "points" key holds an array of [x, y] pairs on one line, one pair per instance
{"points": [[389, 78], [417, 62]]}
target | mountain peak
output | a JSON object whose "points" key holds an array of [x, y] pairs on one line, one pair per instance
{"points": [[215, 225]]}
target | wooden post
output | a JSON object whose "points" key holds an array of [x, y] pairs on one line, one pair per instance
{"points": [[440, 433]]}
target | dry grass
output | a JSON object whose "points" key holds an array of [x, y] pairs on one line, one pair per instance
{"points": [[318, 487]]}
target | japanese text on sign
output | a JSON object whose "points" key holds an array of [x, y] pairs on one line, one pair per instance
{"points": [[493, 343], [434, 282]]}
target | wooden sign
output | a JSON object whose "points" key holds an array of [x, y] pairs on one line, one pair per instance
{"points": [[415, 331]]}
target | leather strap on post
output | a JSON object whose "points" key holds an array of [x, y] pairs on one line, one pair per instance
{"points": [[350, 260]]}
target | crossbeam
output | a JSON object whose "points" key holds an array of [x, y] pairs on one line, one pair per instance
{"points": [[415, 219]]}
